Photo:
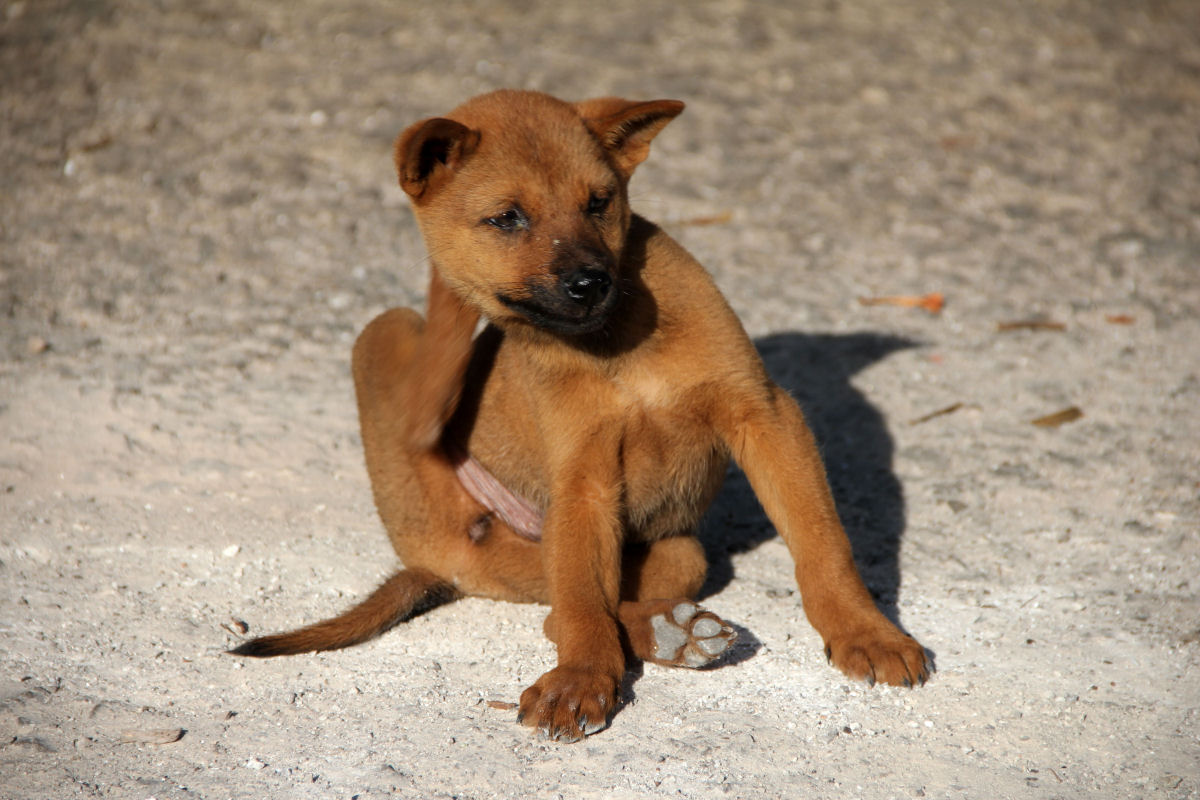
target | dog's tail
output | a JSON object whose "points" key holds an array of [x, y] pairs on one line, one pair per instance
{"points": [[400, 598]]}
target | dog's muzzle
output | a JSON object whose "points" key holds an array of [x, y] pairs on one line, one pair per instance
{"points": [[576, 297]]}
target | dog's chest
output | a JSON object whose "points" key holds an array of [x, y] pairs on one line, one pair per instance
{"points": [[671, 459]]}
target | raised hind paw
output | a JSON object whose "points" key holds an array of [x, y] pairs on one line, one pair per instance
{"points": [[685, 635]]}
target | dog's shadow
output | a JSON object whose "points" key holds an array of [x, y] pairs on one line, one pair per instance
{"points": [[857, 449]]}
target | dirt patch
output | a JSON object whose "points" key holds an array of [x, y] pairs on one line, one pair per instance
{"points": [[198, 213]]}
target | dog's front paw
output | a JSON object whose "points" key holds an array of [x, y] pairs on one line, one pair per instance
{"points": [[688, 636], [568, 703], [880, 654]]}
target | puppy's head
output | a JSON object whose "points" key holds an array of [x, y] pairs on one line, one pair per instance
{"points": [[522, 200]]}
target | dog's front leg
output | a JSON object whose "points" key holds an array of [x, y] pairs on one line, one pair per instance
{"points": [[581, 555], [772, 443]]}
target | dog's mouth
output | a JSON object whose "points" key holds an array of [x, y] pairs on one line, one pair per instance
{"points": [[574, 300], [550, 312]]}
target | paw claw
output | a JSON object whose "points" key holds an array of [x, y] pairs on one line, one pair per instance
{"points": [[590, 727]]}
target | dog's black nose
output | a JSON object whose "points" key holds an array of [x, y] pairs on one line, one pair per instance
{"points": [[587, 286]]}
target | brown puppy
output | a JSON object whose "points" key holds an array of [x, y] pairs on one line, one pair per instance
{"points": [[566, 454]]}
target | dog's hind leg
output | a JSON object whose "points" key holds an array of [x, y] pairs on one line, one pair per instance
{"points": [[421, 371], [408, 375]]}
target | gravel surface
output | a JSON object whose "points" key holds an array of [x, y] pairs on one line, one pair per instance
{"points": [[198, 213]]}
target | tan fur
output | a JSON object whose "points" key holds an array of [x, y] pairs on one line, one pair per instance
{"points": [[616, 421]]}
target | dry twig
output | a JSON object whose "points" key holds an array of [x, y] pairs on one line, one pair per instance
{"points": [[932, 302]]}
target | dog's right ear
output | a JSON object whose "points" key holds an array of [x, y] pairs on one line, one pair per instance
{"points": [[429, 151]]}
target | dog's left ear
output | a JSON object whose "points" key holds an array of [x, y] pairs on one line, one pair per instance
{"points": [[625, 128]]}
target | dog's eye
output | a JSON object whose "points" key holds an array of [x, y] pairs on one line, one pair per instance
{"points": [[511, 220], [598, 203]]}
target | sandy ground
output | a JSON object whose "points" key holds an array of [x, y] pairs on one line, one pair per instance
{"points": [[197, 213]]}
